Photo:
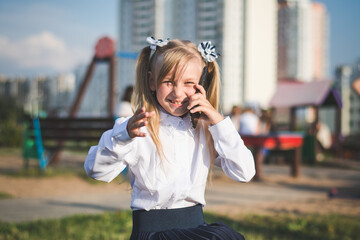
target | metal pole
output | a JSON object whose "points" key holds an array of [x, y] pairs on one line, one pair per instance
{"points": [[83, 87], [112, 86], [74, 109]]}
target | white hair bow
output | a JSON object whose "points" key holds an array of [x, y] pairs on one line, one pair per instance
{"points": [[156, 42], [207, 51]]}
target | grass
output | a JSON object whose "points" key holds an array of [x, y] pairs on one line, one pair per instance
{"points": [[10, 151], [50, 172], [4, 195], [258, 227], [33, 170], [117, 225]]}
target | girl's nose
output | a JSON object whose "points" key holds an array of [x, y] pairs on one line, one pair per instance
{"points": [[178, 91]]}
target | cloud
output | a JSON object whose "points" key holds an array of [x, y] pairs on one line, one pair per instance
{"points": [[42, 50]]}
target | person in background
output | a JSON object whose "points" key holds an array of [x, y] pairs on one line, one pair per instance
{"points": [[265, 121], [124, 108], [324, 140], [235, 116], [249, 122]]}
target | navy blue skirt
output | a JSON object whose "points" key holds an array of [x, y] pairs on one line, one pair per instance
{"points": [[183, 223]]}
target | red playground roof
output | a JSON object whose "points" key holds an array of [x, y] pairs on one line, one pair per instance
{"points": [[301, 94]]}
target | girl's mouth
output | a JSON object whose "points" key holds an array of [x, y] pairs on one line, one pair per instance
{"points": [[176, 103]]}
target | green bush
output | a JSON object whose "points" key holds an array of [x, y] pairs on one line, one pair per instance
{"points": [[11, 118]]}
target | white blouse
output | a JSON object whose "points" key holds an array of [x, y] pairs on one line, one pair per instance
{"points": [[179, 180]]}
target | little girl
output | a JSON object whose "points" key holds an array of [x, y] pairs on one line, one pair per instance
{"points": [[168, 156]]}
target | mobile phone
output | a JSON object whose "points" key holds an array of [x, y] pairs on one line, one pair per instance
{"points": [[195, 116]]}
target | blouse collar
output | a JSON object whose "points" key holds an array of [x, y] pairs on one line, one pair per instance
{"points": [[172, 122]]}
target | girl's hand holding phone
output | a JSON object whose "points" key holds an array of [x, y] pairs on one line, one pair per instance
{"points": [[138, 120], [199, 103]]}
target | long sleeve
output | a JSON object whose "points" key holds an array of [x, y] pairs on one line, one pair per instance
{"points": [[179, 180], [112, 154], [234, 157]]}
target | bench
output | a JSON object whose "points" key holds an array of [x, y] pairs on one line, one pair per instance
{"points": [[282, 141], [44, 138]]}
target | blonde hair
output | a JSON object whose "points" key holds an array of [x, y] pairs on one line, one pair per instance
{"points": [[174, 54]]}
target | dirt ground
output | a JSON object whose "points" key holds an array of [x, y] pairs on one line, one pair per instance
{"points": [[305, 195], [18, 186]]}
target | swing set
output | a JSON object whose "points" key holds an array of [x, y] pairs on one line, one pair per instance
{"points": [[45, 138]]}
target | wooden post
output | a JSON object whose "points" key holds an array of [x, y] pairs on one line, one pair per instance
{"points": [[112, 86], [296, 162], [259, 157], [75, 108], [292, 119], [296, 159], [337, 142]]}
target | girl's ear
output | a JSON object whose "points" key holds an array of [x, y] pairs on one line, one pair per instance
{"points": [[152, 82]]}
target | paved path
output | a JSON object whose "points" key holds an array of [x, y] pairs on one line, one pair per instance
{"points": [[25, 209], [224, 195]]}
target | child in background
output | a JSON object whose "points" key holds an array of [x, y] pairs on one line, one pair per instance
{"points": [[168, 159], [249, 122], [124, 108], [235, 115]]}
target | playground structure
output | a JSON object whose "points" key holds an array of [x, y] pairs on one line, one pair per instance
{"points": [[282, 141], [298, 146], [294, 95], [45, 137], [53, 133]]}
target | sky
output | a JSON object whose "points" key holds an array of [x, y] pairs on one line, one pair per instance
{"points": [[53, 36], [50, 36], [344, 32]]}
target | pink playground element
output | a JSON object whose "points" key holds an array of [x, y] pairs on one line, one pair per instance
{"points": [[104, 48]]}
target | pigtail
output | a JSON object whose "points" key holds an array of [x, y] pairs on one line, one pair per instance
{"points": [[213, 79], [141, 84], [143, 97], [212, 95]]}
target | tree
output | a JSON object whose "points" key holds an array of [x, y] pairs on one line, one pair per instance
{"points": [[11, 118]]}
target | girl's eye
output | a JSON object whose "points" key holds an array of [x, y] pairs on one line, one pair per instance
{"points": [[167, 82], [190, 83]]}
